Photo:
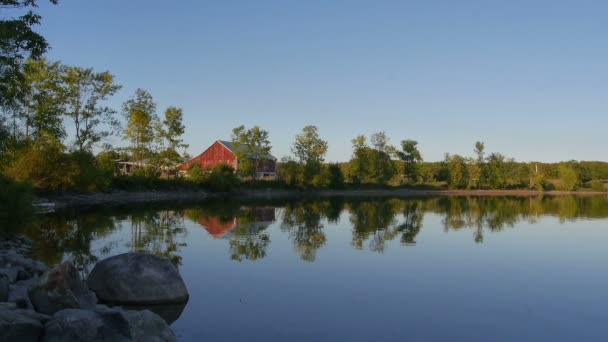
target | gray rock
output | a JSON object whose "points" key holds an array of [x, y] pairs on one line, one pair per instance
{"points": [[140, 279], [42, 318], [106, 324], [148, 326], [12, 260], [61, 288], [10, 273], [18, 294], [14, 326], [4, 288]]}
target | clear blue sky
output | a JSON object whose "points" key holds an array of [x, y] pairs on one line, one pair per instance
{"points": [[529, 78]]}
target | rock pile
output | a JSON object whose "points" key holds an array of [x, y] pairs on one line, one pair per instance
{"points": [[42, 304]]}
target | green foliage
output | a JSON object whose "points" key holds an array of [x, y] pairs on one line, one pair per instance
{"points": [[309, 147], [44, 164], [43, 99], [251, 146], [82, 91], [172, 130], [18, 41], [15, 205], [196, 173], [597, 185], [372, 164], [288, 171], [140, 115], [411, 158], [537, 178], [474, 173], [335, 177], [457, 170], [567, 176], [495, 171], [222, 178]]}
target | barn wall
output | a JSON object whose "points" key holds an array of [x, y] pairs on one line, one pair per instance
{"points": [[214, 155]]}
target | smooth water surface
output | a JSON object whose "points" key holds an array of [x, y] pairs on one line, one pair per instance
{"points": [[434, 269]]}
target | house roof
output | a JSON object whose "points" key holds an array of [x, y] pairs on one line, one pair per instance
{"points": [[228, 145]]}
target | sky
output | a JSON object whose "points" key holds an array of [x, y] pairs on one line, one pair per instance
{"points": [[528, 78]]}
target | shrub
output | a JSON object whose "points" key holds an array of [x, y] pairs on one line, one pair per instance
{"points": [[196, 173], [222, 178], [15, 205]]}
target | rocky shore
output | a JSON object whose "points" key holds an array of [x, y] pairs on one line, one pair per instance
{"points": [[38, 303]]}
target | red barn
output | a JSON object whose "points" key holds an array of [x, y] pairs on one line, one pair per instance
{"points": [[222, 152]]}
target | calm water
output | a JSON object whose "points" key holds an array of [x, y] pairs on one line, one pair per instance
{"points": [[437, 269]]}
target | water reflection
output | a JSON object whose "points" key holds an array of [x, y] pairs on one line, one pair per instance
{"points": [[84, 237]]}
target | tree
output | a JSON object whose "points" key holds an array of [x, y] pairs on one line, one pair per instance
{"points": [[495, 171], [140, 115], [309, 147], [457, 171], [172, 132], [479, 147], [359, 163], [251, 147], [411, 158], [567, 176], [43, 99], [83, 89], [18, 41], [474, 173], [384, 169], [537, 178]]}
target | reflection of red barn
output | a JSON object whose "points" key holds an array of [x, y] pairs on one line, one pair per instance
{"points": [[262, 218], [216, 228], [222, 152]]}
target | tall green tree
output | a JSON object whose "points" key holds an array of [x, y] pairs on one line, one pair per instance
{"points": [[140, 115], [251, 147], [308, 146], [567, 176], [44, 101], [172, 131], [83, 90], [18, 41], [457, 169], [384, 168], [359, 163], [495, 171], [411, 157]]}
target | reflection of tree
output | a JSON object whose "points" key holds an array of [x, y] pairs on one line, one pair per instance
{"points": [[302, 221], [68, 236], [379, 221], [249, 239], [412, 222], [157, 232], [372, 218]]}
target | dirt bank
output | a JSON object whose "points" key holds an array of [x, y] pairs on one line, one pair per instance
{"points": [[113, 198]]}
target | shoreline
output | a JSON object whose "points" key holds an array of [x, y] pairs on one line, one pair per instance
{"points": [[71, 200]]}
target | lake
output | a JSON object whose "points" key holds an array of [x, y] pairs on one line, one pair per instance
{"points": [[416, 269]]}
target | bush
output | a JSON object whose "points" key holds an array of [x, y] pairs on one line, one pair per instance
{"points": [[222, 178], [596, 185], [196, 173], [15, 205]]}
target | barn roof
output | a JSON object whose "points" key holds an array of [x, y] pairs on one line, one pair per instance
{"points": [[228, 145]]}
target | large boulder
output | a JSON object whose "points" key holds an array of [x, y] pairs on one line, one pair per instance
{"points": [[137, 279], [61, 288], [106, 324], [15, 326]]}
